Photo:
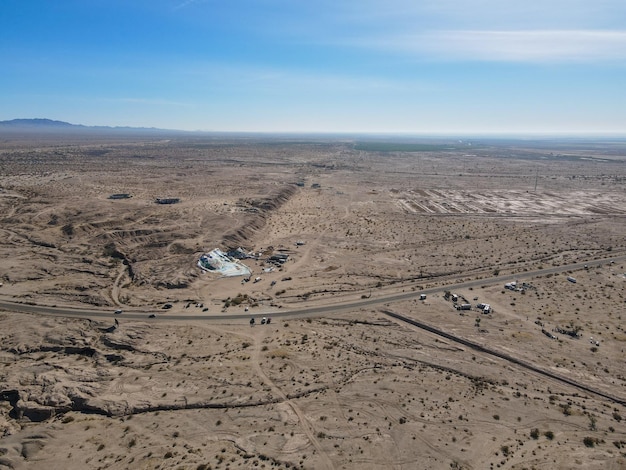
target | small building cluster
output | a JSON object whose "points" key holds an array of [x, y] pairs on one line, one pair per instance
{"points": [[464, 304], [278, 258]]}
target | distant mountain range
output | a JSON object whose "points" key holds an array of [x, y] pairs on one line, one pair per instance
{"points": [[50, 125], [36, 123]]}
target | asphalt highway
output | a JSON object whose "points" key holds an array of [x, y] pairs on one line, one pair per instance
{"points": [[324, 310]]}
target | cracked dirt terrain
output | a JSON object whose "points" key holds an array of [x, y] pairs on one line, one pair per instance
{"points": [[351, 390]]}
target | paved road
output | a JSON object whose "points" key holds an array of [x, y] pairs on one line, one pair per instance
{"points": [[368, 303], [355, 305]]}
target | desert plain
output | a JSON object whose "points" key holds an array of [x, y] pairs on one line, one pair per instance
{"points": [[356, 369]]}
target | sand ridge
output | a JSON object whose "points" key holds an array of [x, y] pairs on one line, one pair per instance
{"points": [[344, 390]]}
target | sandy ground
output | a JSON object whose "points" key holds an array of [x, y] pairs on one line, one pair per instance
{"points": [[347, 390]]}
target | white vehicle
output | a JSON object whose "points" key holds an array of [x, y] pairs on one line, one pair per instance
{"points": [[117, 312]]}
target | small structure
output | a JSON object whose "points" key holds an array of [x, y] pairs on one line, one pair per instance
{"points": [[168, 200], [573, 331], [279, 258], [238, 253]]}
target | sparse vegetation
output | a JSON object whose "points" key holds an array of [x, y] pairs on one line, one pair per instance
{"points": [[376, 384]]}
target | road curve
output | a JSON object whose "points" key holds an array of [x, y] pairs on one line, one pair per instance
{"points": [[351, 306], [310, 311]]}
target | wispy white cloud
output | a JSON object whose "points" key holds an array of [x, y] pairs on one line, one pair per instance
{"points": [[291, 79], [508, 46], [480, 14], [149, 102], [187, 3]]}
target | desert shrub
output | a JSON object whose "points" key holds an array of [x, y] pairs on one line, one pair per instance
{"points": [[589, 441], [534, 433]]}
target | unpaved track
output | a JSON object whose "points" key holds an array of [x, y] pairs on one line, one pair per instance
{"points": [[257, 338], [506, 357]]}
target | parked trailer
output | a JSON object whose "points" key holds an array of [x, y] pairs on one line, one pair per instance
{"points": [[464, 307]]}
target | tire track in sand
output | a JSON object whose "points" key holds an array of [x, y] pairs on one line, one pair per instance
{"points": [[304, 422]]}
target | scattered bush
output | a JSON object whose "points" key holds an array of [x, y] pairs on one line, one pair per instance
{"points": [[589, 441]]}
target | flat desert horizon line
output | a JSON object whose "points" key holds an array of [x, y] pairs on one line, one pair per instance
{"points": [[47, 125]]}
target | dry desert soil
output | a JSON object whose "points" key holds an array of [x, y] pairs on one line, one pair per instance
{"points": [[355, 370]]}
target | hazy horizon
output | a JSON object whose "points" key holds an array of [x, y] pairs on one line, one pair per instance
{"points": [[446, 67]]}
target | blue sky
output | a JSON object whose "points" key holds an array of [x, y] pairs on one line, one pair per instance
{"points": [[398, 66]]}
